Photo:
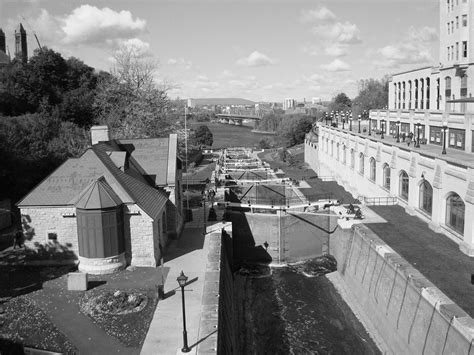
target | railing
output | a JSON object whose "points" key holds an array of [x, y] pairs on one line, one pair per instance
{"points": [[381, 201], [274, 200], [327, 178]]}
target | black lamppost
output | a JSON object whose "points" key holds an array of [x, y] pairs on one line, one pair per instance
{"points": [[343, 121], [444, 128], [182, 282], [398, 129], [370, 122], [418, 127], [337, 118], [382, 124], [359, 123], [350, 122]]}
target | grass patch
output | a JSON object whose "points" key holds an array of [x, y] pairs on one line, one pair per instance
{"points": [[22, 322]]}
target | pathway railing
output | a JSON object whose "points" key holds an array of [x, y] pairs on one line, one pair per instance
{"points": [[381, 201]]}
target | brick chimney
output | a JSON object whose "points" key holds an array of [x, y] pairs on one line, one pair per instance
{"points": [[99, 134]]}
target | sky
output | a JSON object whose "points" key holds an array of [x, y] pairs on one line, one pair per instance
{"points": [[261, 50]]}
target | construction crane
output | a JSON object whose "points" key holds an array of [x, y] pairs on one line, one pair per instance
{"points": [[34, 33]]}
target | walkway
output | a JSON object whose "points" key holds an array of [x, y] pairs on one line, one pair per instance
{"points": [[455, 155], [187, 254], [436, 256]]}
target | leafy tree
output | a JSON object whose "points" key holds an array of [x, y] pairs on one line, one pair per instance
{"points": [[292, 131], [203, 136], [265, 143], [373, 94], [340, 103]]}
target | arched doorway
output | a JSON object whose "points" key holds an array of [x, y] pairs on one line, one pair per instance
{"points": [[426, 197], [455, 210]]}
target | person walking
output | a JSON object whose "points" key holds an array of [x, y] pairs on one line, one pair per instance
{"points": [[18, 240]]}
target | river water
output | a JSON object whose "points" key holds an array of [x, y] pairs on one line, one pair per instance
{"points": [[296, 310]]}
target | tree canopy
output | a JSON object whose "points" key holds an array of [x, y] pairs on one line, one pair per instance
{"points": [[341, 102], [203, 136], [373, 94]]}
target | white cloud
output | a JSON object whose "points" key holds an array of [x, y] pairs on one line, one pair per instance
{"points": [[320, 14], [338, 32], [91, 25], [406, 53], [227, 74], [336, 65], [137, 47], [187, 64], [336, 50], [256, 59], [424, 34]]}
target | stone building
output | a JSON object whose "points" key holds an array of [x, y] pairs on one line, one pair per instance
{"points": [[433, 178], [117, 204]]}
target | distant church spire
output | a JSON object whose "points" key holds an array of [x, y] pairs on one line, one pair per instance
{"points": [[21, 47]]}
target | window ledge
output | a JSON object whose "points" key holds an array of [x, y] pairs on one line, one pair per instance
{"points": [[451, 231]]}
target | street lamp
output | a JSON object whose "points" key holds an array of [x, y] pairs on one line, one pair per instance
{"points": [[382, 124], [418, 127], [359, 123], [350, 122], [398, 129], [343, 121], [182, 282], [370, 122], [444, 128]]}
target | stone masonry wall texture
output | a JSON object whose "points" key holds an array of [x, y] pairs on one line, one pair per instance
{"points": [[37, 223], [407, 312]]}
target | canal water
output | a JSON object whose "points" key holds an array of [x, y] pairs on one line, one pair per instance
{"points": [[296, 310]]}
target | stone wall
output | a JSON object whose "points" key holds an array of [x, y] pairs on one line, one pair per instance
{"points": [[405, 313], [141, 243], [38, 223], [216, 327]]}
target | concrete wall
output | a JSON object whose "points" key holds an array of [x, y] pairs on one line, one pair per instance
{"points": [[405, 313], [291, 236]]}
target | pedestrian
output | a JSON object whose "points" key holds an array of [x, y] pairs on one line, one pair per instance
{"points": [[408, 141], [18, 240]]}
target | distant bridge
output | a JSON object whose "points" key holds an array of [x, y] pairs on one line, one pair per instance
{"points": [[233, 118]]}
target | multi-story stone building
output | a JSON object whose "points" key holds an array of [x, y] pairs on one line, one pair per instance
{"points": [[419, 152]]}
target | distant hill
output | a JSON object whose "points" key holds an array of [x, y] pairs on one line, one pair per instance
{"points": [[223, 101]]}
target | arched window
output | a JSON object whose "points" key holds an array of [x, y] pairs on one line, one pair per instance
{"points": [[386, 176], [447, 87], [455, 213], [361, 163], [427, 93], [344, 154], [416, 93], [337, 151], [426, 197], [404, 183], [332, 148], [422, 93], [372, 169], [352, 159]]}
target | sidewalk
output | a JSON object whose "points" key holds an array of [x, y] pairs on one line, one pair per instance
{"points": [[187, 254]]}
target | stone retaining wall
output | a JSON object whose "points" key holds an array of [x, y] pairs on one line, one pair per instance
{"points": [[403, 310]]}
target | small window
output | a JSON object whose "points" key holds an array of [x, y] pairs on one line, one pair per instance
{"points": [[464, 49], [457, 50], [386, 176], [457, 21], [52, 236], [447, 50], [448, 27], [464, 20]]}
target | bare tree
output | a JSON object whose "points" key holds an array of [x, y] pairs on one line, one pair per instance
{"points": [[128, 99]]}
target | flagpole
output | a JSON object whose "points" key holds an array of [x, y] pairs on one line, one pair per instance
{"points": [[186, 152]]}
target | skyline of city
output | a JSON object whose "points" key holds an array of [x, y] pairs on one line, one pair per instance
{"points": [[298, 49]]}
